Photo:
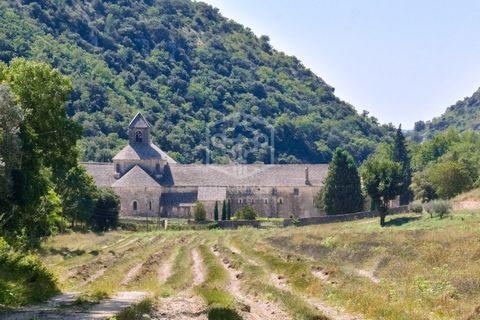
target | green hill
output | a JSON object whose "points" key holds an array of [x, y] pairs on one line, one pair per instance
{"points": [[186, 67], [462, 116]]}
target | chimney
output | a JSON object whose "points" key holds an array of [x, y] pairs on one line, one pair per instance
{"points": [[307, 180]]}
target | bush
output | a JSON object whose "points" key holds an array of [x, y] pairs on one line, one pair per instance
{"points": [[415, 206], [105, 215], [23, 278], [246, 213], [438, 207], [199, 213]]}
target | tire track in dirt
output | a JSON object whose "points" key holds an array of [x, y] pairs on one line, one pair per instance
{"points": [[198, 271], [185, 305], [252, 309]]}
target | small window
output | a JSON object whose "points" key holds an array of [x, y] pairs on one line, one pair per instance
{"points": [[150, 205], [135, 205], [253, 201], [157, 167], [265, 201], [280, 200], [295, 191], [138, 136], [239, 200]]}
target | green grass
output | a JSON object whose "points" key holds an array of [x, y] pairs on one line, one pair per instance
{"points": [[136, 311]]}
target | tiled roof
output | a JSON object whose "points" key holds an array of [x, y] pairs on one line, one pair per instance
{"points": [[135, 177], [142, 152], [177, 198], [212, 193], [102, 173], [139, 122], [243, 175]]}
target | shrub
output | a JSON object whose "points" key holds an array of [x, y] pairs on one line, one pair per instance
{"points": [[416, 206], [199, 213], [246, 213], [23, 278], [438, 207], [105, 215]]}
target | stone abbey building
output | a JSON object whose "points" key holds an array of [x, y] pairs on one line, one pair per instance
{"points": [[150, 183]]}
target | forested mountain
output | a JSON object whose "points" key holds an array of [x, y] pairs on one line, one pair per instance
{"points": [[462, 116], [186, 67]]}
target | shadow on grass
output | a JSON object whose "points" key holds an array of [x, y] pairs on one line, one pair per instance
{"points": [[395, 222], [223, 314]]}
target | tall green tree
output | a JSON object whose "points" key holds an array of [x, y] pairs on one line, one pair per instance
{"points": [[401, 155], [229, 209], [382, 181], [105, 215], [342, 192], [215, 211], [48, 142], [224, 210]]}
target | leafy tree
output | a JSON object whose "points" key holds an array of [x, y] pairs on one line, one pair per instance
{"points": [[382, 181], [105, 215], [215, 211], [342, 191], [422, 189], [199, 213], [449, 178], [401, 155], [78, 192], [224, 210], [246, 213], [11, 117]]}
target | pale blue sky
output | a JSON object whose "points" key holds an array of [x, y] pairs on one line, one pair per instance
{"points": [[402, 61]]}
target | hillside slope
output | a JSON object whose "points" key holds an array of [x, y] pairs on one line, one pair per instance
{"points": [[463, 115], [186, 67]]}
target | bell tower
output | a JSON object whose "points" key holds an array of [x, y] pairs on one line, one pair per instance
{"points": [[139, 131]]}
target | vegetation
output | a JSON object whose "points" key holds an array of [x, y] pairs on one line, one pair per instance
{"points": [[438, 207], [199, 213], [415, 206], [382, 180], [215, 212], [342, 192], [462, 116], [23, 278], [246, 213], [401, 155], [187, 68], [224, 210], [105, 215]]}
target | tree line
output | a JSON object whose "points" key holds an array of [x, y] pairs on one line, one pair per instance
{"points": [[43, 189]]}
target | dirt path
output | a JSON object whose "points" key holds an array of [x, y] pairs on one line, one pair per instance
{"points": [[184, 306], [252, 309], [198, 272], [61, 307]]}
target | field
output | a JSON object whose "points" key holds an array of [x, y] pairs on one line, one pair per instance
{"points": [[415, 268]]}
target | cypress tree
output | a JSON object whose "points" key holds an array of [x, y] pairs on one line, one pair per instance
{"points": [[224, 211], [229, 209], [342, 191], [400, 154], [215, 211]]}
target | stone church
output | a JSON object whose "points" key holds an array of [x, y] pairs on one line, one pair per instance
{"points": [[150, 183]]}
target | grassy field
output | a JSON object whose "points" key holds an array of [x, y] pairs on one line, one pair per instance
{"points": [[414, 268]]}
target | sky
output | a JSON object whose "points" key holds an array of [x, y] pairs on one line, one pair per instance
{"points": [[402, 61]]}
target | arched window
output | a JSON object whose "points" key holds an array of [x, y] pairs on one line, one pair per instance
{"points": [[265, 200], [150, 205], [253, 201], [280, 200], [117, 168], [138, 136], [239, 200], [135, 205], [157, 167]]}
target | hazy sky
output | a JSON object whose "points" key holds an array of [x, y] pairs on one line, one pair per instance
{"points": [[402, 61]]}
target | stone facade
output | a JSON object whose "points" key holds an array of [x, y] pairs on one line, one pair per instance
{"points": [[150, 183]]}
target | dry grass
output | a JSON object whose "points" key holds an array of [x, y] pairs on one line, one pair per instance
{"points": [[423, 268]]}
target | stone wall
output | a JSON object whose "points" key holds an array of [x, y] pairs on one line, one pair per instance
{"points": [[275, 202], [148, 201]]}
